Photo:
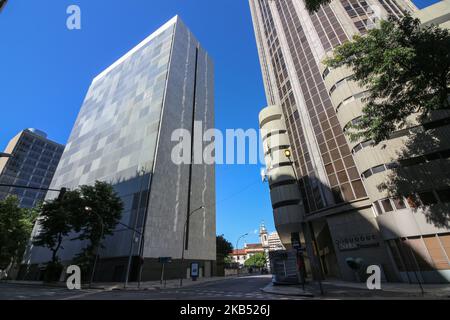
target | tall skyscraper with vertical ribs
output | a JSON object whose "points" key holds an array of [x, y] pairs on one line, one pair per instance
{"points": [[334, 191]]}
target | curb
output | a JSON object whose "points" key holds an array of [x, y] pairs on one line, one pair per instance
{"points": [[304, 294], [159, 286], [406, 292]]}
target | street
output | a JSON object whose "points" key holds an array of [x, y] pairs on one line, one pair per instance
{"points": [[244, 288]]}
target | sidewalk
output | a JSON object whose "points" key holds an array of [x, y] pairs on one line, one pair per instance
{"points": [[438, 290], [156, 285], [147, 285], [343, 289]]}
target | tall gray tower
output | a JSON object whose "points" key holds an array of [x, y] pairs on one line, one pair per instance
{"points": [[123, 135]]}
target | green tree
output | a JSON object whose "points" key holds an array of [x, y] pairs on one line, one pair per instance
{"points": [[314, 5], [55, 222], [406, 70], [16, 225], [228, 260], [91, 212], [102, 212], [223, 249], [257, 260]]}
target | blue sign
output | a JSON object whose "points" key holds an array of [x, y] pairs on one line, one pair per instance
{"points": [[194, 270]]}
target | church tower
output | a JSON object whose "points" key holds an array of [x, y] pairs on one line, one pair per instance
{"points": [[263, 236]]}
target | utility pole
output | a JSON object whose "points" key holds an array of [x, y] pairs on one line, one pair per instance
{"points": [[127, 276], [133, 239], [307, 230], [184, 242]]}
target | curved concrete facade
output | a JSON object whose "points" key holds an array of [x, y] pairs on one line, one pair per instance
{"points": [[284, 193]]}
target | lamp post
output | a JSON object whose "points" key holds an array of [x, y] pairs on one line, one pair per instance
{"points": [[184, 241], [133, 238], [237, 248], [5, 155], [306, 226], [89, 210], [131, 250]]}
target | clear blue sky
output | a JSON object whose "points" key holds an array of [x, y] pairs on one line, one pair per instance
{"points": [[45, 71]]}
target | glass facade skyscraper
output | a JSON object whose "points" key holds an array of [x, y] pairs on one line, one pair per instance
{"points": [[33, 164], [123, 136], [337, 192]]}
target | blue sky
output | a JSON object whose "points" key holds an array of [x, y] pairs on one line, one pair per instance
{"points": [[45, 71]]}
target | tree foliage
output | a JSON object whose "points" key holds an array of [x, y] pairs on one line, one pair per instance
{"points": [[102, 212], [91, 212], [406, 69], [16, 225], [257, 260], [314, 5], [56, 221], [224, 247]]}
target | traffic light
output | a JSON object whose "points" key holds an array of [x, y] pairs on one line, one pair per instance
{"points": [[61, 193]]}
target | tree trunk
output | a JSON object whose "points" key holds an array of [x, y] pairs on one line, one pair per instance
{"points": [[55, 251]]}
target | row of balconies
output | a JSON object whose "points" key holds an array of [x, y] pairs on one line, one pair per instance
{"points": [[284, 193]]}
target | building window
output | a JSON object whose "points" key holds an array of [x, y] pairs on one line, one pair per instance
{"points": [[377, 208], [387, 206], [437, 253], [399, 203], [412, 201]]}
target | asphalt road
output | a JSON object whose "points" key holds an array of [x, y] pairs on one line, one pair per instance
{"points": [[244, 288]]}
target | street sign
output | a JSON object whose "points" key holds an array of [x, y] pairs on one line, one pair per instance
{"points": [[165, 259]]}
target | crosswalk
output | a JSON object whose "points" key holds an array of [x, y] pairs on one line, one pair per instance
{"points": [[217, 294]]}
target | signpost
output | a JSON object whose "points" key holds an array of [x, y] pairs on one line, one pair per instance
{"points": [[295, 241], [163, 261]]}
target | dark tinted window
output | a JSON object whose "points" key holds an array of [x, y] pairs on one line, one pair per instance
{"points": [[387, 206]]}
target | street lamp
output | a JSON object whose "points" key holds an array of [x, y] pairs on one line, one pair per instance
{"points": [[184, 241], [131, 250], [306, 225], [5, 155], [89, 210], [287, 153], [237, 248]]}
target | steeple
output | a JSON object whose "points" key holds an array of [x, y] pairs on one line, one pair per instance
{"points": [[263, 237]]}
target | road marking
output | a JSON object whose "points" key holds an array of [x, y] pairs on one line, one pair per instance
{"points": [[85, 294]]}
